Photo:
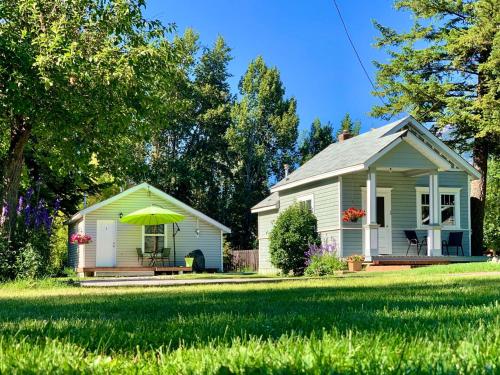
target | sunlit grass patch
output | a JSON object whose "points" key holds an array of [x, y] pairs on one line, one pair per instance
{"points": [[383, 323]]}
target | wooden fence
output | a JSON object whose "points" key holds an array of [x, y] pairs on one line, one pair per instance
{"points": [[244, 260]]}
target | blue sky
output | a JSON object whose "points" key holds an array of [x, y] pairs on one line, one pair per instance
{"points": [[304, 39]]}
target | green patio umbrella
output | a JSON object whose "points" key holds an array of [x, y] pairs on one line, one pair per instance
{"points": [[154, 215]]}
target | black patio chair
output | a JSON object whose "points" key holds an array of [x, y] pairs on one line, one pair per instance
{"points": [[412, 238], [454, 240], [140, 255], [164, 256]]}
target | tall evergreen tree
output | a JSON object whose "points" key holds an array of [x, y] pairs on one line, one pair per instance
{"points": [[262, 137], [319, 137], [347, 125], [444, 71]]}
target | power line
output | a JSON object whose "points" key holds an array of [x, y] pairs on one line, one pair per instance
{"points": [[356, 51]]}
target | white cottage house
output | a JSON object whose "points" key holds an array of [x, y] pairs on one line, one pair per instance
{"points": [[118, 248]]}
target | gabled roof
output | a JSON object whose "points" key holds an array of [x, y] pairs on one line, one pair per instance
{"points": [[157, 192], [438, 145], [358, 153], [269, 203]]}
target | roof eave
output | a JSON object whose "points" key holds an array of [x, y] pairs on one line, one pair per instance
{"points": [[265, 208], [338, 172]]}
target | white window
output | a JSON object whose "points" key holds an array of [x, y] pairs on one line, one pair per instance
{"points": [[154, 238], [449, 207], [307, 201]]}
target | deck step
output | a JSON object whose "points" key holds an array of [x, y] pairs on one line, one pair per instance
{"points": [[123, 273], [378, 268]]}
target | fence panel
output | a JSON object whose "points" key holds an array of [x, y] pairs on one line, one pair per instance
{"points": [[244, 260]]}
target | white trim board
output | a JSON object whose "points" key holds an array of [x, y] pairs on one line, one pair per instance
{"points": [[157, 192], [341, 239]]}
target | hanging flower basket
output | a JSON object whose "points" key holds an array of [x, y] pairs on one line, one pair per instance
{"points": [[353, 214], [80, 238]]}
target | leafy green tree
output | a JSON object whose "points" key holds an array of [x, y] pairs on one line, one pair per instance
{"points": [[71, 75], [319, 137], [262, 138], [444, 71], [347, 125], [293, 232], [208, 149]]}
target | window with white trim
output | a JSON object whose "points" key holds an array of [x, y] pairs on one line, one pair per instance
{"points": [[307, 201], [154, 238], [449, 207]]}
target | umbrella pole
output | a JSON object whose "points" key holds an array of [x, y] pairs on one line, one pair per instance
{"points": [[173, 236]]}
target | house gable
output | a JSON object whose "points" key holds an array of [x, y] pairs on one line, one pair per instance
{"points": [[403, 157]]}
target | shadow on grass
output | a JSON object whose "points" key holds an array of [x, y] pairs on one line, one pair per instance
{"points": [[120, 322]]}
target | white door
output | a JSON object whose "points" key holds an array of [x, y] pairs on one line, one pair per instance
{"points": [[384, 220], [106, 243]]}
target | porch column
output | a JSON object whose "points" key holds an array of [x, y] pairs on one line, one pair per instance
{"points": [[434, 231], [370, 247]]}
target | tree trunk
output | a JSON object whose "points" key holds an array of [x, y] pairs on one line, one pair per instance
{"points": [[478, 194], [480, 153], [12, 169]]}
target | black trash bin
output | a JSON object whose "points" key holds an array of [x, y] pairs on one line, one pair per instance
{"points": [[198, 261]]}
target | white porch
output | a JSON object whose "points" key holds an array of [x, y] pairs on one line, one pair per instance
{"points": [[372, 229]]}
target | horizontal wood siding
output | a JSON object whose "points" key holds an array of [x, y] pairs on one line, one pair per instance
{"points": [[265, 224], [326, 204], [129, 237], [326, 209], [404, 210]]}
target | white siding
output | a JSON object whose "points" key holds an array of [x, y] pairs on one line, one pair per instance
{"points": [[265, 224], [129, 237]]}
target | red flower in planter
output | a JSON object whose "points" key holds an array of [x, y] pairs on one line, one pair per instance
{"points": [[353, 214], [80, 238]]}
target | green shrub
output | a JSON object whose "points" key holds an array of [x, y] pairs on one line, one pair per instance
{"points": [[325, 264], [69, 272], [29, 263], [293, 232]]}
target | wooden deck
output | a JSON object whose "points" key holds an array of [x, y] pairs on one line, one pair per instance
{"points": [[131, 271], [389, 260]]}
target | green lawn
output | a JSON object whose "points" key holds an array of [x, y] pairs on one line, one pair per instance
{"points": [[407, 322]]}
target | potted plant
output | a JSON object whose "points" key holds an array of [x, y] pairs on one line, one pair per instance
{"points": [[189, 261], [355, 262], [80, 238], [353, 214]]}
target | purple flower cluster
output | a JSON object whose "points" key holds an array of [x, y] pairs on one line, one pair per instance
{"points": [[35, 214], [319, 250]]}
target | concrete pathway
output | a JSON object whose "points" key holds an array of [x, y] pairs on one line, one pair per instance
{"points": [[152, 281]]}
